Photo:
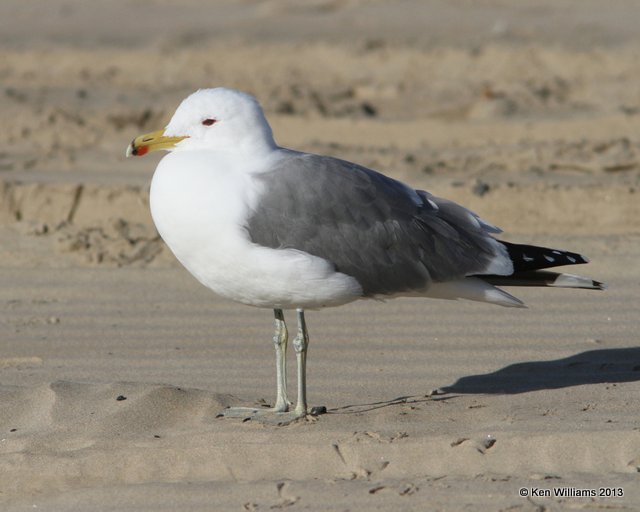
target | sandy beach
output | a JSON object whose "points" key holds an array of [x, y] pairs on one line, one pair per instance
{"points": [[115, 362]]}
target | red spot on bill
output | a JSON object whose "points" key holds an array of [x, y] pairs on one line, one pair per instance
{"points": [[141, 150]]}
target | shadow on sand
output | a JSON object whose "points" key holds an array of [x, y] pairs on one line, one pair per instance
{"points": [[591, 367]]}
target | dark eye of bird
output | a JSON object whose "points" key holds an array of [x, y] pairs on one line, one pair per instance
{"points": [[208, 122]]}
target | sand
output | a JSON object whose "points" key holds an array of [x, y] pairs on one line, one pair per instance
{"points": [[114, 361]]}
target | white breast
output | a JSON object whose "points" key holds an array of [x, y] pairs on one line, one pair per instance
{"points": [[200, 205]]}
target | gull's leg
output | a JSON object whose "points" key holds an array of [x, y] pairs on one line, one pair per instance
{"points": [[280, 339], [282, 414], [300, 344]]}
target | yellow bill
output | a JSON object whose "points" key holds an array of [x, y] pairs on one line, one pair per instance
{"points": [[148, 142]]}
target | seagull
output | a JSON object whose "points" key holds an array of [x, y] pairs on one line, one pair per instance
{"points": [[275, 228]]}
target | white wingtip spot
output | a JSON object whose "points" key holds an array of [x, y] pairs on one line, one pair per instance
{"points": [[549, 258]]}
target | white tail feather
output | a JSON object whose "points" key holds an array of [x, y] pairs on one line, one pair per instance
{"points": [[472, 288], [573, 281]]}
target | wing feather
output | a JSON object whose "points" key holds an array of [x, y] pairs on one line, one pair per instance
{"points": [[391, 238]]}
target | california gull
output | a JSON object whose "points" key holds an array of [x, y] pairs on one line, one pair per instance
{"points": [[275, 228]]}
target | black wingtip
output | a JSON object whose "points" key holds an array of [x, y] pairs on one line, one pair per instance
{"points": [[599, 286], [531, 257]]}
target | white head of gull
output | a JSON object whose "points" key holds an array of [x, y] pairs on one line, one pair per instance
{"points": [[275, 228]]}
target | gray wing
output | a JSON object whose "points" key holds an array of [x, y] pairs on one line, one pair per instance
{"points": [[389, 237]]}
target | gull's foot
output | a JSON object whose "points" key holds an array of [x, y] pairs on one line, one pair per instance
{"points": [[270, 416]]}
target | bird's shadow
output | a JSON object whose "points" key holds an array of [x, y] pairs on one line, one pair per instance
{"points": [[591, 367]]}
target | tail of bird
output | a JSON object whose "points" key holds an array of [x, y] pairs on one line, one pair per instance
{"points": [[529, 262], [544, 278]]}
